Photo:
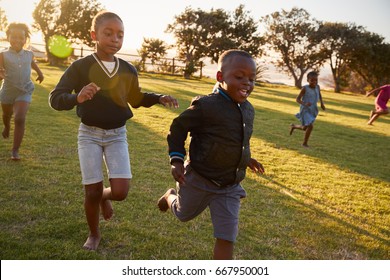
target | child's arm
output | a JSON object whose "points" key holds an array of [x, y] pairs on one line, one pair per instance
{"points": [[256, 166], [372, 91], [177, 170], [300, 96], [322, 102], [169, 101], [39, 72], [2, 70]]}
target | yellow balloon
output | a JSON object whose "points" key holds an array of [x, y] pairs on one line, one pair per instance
{"points": [[59, 46]]}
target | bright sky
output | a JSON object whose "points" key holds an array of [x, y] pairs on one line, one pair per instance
{"points": [[149, 18]]}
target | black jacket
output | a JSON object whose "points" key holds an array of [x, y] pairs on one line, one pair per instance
{"points": [[220, 131]]}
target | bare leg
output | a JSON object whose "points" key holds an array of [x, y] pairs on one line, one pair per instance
{"points": [[20, 109], [7, 115], [96, 196], [371, 114], [375, 115], [308, 131], [294, 126], [117, 192], [93, 197], [223, 249], [165, 202]]}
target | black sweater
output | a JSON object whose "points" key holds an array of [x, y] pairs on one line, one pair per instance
{"points": [[220, 132], [109, 108]]}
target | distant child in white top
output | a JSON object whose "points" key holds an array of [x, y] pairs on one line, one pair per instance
{"points": [[17, 87], [308, 97]]}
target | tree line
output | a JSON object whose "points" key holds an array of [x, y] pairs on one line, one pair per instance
{"points": [[357, 58]]}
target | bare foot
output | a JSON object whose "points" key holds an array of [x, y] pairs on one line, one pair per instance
{"points": [[15, 155], [305, 146], [107, 210], [5, 132], [92, 243], [163, 201], [292, 128]]}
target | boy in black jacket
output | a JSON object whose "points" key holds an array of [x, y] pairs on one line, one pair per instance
{"points": [[221, 125]]}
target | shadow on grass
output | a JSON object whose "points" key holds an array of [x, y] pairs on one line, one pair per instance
{"points": [[357, 150], [286, 224]]}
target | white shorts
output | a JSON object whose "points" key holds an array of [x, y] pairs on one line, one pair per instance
{"points": [[96, 145]]}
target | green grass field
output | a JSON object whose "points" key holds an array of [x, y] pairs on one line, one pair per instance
{"points": [[331, 201]]}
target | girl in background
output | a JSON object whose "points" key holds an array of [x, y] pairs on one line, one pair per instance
{"points": [[308, 97], [380, 102], [17, 87]]}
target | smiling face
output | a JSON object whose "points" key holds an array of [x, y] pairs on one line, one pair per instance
{"points": [[237, 77], [109, 38], [17, 39], [313, 81]]}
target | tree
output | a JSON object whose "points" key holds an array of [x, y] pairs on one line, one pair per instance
{"points": [[291, 35], [153, 49], [3, 20], [194, 31], [240, 32], [244, 32], [69, 18], [200, 34], [371, 59], [338, 43]]}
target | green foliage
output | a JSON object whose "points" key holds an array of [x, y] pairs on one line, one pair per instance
{"points": [[201, 34], [338, 43], [370, 59], [327, 202], [69, 18], [292, 35], [153, 49], [3, 20]]}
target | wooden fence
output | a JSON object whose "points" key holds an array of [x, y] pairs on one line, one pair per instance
{"points": [[166, 65]]}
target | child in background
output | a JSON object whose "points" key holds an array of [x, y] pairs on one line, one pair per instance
{"points": [[221, 125], [308, 97], [380, 102], [17, 88], [104, 86]]}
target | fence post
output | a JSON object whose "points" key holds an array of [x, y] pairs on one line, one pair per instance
{"points": [[173, 66], [201, 68]]}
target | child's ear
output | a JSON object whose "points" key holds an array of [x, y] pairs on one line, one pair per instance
{"points": [[93, 35], [219, 76]]}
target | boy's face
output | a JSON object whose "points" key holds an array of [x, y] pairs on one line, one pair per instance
{"points": [[109, 38], [237, 77]]}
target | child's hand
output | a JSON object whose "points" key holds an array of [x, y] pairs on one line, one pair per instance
{"points": [[40, 78], [323, 106], [256, 166], [177, 170], [308, 104], [87, 92], [169, 101]]}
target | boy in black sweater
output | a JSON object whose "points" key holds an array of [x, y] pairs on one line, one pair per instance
{"points": [[104, 86]]}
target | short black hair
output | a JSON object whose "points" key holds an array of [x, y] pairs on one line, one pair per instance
{"points": [[231, 53], [312, 74], [102, 16]]}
